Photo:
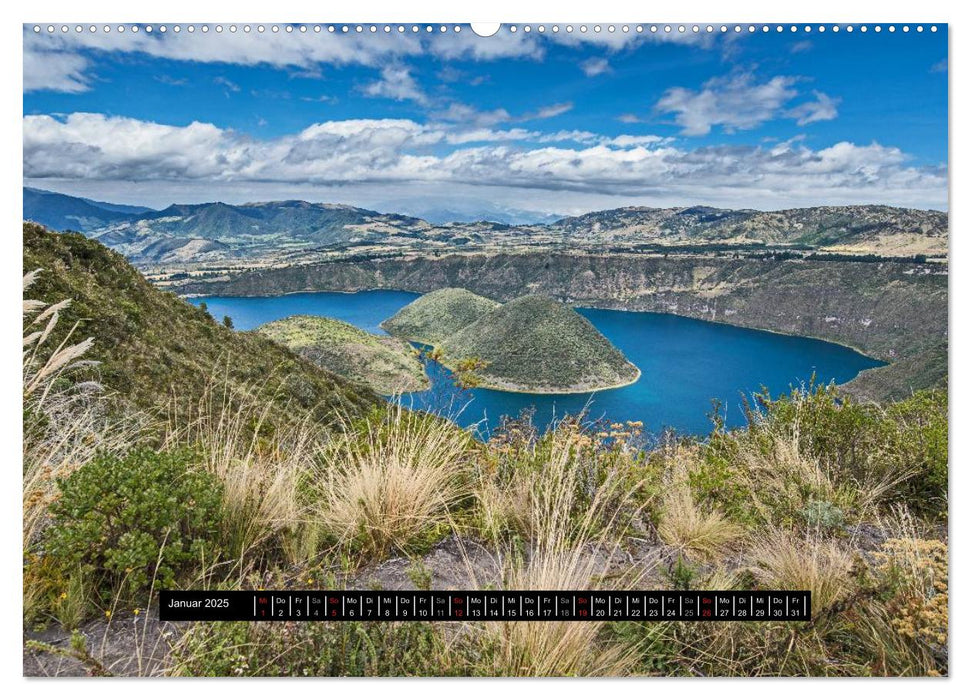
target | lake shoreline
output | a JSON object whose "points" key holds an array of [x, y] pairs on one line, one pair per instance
{"points": [[681, 363], [841, 343]]}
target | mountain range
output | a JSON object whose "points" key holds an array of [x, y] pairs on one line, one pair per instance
{"points": [[297, 231]]}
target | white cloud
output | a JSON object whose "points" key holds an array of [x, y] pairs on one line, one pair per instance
{"points": [[281, 49], [226, 83], [93, 145], [733, 102], [594, 66], [404, 153], [823, 108], [469, 45], [467, 115], [626, 140], [549, 111], [396, 83], [60, 71], [491, 135], [619, 40], [58, 61], [459, 113]]}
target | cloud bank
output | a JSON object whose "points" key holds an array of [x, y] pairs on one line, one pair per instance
{"points": [[96, 147]]}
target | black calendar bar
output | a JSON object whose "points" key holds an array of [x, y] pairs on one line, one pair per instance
{"points": [[477, 606]]}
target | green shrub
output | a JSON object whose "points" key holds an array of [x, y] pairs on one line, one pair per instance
{"points": [[921, 443], [149, 515], [823, 515], [903, 444], [315, 649]]}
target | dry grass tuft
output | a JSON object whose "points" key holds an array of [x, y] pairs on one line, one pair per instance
{"points": [[575, 527], [699, 532], [783, 561], [65, 423], [390, 481], [260, 473], [781, 478], [504, 507], [784, 477]]}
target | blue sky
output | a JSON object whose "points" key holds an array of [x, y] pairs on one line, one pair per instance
{"points": [[527, 122]]}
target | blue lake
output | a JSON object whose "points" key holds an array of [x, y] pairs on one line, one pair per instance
{"points": [[684, 363]]}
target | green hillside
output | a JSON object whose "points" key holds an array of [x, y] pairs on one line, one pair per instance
{"points": [[539, 345], [154, 348], [387, 365], [902, 378], [435, 316]]}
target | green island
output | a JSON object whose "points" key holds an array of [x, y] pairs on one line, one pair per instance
{"points": [[437, 315], [531, 344], [387, 365]]}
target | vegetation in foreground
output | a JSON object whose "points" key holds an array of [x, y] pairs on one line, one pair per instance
{"points": [[387, 365], [848, 500]]}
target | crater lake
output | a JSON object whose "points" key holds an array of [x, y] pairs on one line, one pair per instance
{"points": [[686, 364]]}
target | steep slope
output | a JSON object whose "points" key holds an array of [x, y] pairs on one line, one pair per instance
{"points": [[901, 379], [539, 345], [387, 365], [156, 349], [435, 316]]}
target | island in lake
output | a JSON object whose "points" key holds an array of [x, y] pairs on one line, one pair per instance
{"points": [[386, 364], [531, 344]]}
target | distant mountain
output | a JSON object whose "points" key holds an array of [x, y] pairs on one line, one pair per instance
{"points": [[441, 215], [433, 317], [288, 232], [66, 213], [219, 230], [539, 345], [121, 208], [882, 230]]}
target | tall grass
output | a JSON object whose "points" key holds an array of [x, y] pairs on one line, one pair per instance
{"points": [[575, 526], [683, 523], [259, 469], [388, 480], [784, 561], [65, 421]]}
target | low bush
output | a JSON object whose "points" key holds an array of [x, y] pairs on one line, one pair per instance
{"points": [[128, 521], [315, 649]]}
